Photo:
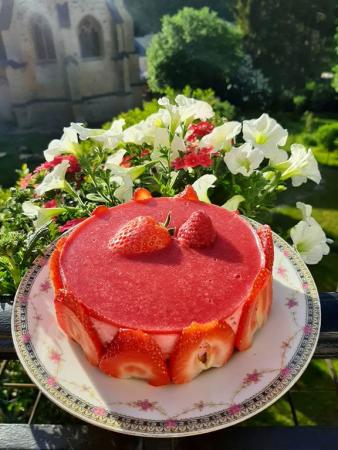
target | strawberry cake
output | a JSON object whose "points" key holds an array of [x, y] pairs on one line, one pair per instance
{"points": [[162, 288]]}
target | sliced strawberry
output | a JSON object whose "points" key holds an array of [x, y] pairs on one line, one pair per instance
{"points": [[134, 354], [265, 235], [76, 323], [255, 311], [197, 231], [140, 235], [54, 265], [141, 194], [200, 347], [188, 193]]}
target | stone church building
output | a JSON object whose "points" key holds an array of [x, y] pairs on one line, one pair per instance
{"points": [[66, 60]]}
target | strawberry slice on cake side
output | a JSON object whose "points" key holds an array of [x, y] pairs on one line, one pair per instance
{"points": [[257, 308]]}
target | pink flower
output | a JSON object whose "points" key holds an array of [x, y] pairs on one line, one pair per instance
{"points": [[170, 423], [285, 372], [305, 286], [286, 253], [55, 356], [50, 204], [252, 377], [24, 300], [145, 405], [307, 330], [70, 224], [51, 381], [26, 338], [234, 409], [99, 411]]}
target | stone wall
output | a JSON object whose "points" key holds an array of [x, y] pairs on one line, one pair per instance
{"points": [[70, 86]]}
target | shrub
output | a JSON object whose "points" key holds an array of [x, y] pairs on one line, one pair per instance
{"points": [[327, 136], [197, 47], [299, 102]]}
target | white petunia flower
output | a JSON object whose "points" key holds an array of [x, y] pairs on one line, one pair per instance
{"points": [[267, 135], [108, 138], [68, 143], [185, 111], [120, 176], [201, 186], [310, 241], [145, 131], [243, 159], [42, 215], [191, 109], [221, 137], [300, 167], [53, 180], [306, 211], [162, 139], [115, 159]]}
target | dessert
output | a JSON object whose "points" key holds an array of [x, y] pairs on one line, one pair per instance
{"points": [[162, 288]]}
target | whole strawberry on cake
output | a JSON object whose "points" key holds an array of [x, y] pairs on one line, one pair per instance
{"points": [[162, 288]]}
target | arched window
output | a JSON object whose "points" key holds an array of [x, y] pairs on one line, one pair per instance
{"points": [[43, 39], [90, 37]]}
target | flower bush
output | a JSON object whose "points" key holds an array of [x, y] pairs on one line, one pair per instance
{"points": [[235, 165]]}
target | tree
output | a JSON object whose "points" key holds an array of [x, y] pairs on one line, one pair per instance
{"points": [[147, 14], [195, 47], [290, 41]]}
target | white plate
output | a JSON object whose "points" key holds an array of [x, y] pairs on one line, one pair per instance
{"points": [[249, 383]]}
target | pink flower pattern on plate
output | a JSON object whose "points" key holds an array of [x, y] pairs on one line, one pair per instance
{"points": [[291, 303], [99, 411], [307, 330], [26, 338], [45, 286], [51, 381], [55, 356], [170, 423], [285, 372], [234, 409], [282, 271], [145, 405], [253, 377]]}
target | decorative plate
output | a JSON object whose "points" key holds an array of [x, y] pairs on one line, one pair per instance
{"points": [[219, 398]]}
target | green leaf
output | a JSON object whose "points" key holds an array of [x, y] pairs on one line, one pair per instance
{"points": [[233, 202]]}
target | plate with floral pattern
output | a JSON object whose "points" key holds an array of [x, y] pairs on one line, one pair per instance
{"points": [[250, 382]]}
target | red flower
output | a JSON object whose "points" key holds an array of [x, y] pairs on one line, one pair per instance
{"points": [[50, 204], [194, 158], [74, 165], [145, 152], [126, 161], [198, 130], [70, 224]]}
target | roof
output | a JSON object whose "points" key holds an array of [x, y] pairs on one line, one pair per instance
{"points": [[114, 11], [142, 43]]}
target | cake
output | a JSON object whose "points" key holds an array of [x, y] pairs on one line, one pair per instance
{"points": [[162, 301]]}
